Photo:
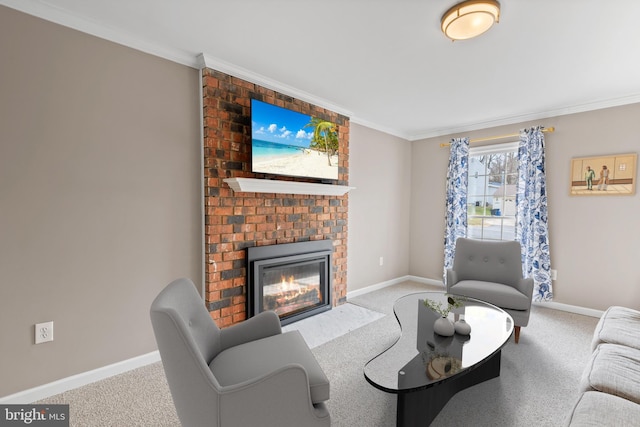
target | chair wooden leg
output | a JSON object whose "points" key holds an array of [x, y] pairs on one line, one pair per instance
{"points": [[517, 336]]}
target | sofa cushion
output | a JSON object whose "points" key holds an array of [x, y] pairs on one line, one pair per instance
{"points": [[613, 369], [256, 358], [618, 325], [595, 409], [504, 296]]}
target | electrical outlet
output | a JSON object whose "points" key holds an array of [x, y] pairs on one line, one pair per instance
{"points": [[381, 261], [44, 332], [554, 274]]}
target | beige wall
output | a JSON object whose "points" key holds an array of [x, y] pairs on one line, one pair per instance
{"points": [[100, 201], [378, 207], [594, 240]]}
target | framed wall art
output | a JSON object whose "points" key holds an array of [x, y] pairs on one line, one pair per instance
{"points": [[605, 175]]}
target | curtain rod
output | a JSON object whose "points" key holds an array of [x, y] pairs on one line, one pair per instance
{"points": [[492, 138]]}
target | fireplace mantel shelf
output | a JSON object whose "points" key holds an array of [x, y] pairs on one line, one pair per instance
{"points": [[253, 185]]}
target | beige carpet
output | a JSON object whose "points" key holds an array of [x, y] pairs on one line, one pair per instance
{"points": [[537, 386], [136, 398]]}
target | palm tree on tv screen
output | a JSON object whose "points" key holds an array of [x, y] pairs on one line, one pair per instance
{"points": [[325, 136]]}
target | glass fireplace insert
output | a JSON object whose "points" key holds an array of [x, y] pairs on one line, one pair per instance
{"points": [[292, 279]]}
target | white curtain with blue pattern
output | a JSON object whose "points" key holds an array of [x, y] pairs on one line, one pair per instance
{"points": [[531, 216], [456, 206]]}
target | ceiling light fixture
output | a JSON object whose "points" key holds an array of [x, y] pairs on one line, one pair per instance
{"points": [[470, 18]]}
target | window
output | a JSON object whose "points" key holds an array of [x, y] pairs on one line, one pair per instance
{"points": [[491, 197]]}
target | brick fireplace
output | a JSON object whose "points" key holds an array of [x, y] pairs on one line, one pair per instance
{"points": [[235, 221]]}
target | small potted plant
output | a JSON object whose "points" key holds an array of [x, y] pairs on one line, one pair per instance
{"points": [[443, 326], [437, 306]]}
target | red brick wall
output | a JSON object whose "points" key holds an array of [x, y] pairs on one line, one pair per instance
{"points": [[235, 221]]}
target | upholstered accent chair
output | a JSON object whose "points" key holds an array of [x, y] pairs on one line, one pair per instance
{"points": [[491, 271], [249, 374]]}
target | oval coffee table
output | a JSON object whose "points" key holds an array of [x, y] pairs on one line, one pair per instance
{"points": [[425, 369]]}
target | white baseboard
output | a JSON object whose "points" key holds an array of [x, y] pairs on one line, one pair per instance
{"points": [[392, 282], [426, 281], [570, 308], [551, 304], [79, 380], [372, 288]]}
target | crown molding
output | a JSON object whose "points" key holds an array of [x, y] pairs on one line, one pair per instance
{"points": [[509, 120], [374, 126], [51, 13], [207, 61]]}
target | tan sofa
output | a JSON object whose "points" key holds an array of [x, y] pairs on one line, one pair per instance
{"points": [[610, 385]]}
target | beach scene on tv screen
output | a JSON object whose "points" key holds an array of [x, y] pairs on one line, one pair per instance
{"points": [[285, 142]]}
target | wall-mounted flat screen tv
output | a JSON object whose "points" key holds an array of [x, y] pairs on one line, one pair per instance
{"points": [[285, 142]]}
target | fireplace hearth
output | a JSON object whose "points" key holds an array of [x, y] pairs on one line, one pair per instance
{"points": [[292, 279]]}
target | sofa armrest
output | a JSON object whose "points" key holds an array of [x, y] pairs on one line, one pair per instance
{"points": [[452, 279], [263, 325], [525, 286]]}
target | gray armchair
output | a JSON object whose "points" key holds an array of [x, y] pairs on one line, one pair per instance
{"points": [[250, 374], [491, 271]]}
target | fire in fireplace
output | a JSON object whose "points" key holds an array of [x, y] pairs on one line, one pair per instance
{"points": [[292, 279]]}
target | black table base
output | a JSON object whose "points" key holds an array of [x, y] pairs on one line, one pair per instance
{"points": [[419, 408]]}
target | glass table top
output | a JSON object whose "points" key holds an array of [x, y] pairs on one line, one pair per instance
{"points": [[421, 358]]}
